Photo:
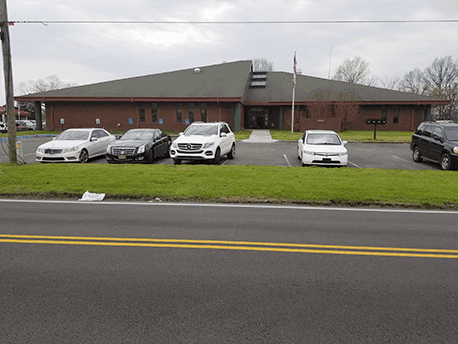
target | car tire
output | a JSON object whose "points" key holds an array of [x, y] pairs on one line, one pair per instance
{"points": [[416, 156], [84, 156], [217, 158], [150, 157], [231, 154], [445, 162], [176, 161]]}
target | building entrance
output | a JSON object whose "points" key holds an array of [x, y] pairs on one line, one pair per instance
{"points": [[262, 118]]}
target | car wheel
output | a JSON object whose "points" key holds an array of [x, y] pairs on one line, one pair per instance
{"points": [[84, 156], [416, 156], [231, 154], [217, 158], [176, 161], [150, 157], [445, 162]]}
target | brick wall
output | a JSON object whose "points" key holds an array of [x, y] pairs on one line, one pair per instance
{"points": [[116, 115]]}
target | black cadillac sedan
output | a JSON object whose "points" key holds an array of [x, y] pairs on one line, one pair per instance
{"points": [[139, 146]]}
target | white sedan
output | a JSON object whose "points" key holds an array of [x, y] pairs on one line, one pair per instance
{"points": [[75, 145], [322, 147]]}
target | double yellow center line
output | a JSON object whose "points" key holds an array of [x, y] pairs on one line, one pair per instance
{"points": [[232, 245]]}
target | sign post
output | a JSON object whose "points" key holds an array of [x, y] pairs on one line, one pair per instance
{"points": [[375, 121]]}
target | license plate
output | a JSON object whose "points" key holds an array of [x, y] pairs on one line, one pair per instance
{"points": [[121, 156], [326, 159]]}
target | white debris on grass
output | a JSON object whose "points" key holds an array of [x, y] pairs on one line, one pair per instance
{"points": [[89, 196]]}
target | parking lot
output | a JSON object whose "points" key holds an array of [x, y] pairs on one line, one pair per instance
{"points": [[360, 155]]}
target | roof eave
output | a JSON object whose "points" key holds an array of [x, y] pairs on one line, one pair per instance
{"points": [[130, 99]]}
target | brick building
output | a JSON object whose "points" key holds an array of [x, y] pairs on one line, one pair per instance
{"points": [[233, 93]]}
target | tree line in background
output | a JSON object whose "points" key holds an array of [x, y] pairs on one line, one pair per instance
{"points": [[440, 80]]}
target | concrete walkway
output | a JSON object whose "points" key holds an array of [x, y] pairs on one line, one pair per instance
{"points": [[260, 136]]}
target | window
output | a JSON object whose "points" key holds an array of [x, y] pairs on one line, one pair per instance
{"points": [[191, 112], [384, 112], [396, 115], [179, 114], [154, 112], [141, 113], [437, 133], [428, 130], [203, 112]]}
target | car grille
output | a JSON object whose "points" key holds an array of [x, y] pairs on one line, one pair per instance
{"points": [[123, 151], [327, 154], [53, 151], [189, 146]]}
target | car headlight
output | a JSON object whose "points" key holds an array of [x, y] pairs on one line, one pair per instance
{"points": [[208, 144], [70, 149], [455, 150], [343, 153], [309, 152], [174, 144], [109, 149], [141, 149], [40, 150]]}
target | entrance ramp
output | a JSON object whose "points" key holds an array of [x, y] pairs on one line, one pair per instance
{"points": [[260, 136]]}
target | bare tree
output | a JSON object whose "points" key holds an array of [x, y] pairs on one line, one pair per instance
{"points": [[413, 82], [393, 83], [49, 83], [263, 65], [441, 80], [319, 105], [347, 107], [355, 71]]}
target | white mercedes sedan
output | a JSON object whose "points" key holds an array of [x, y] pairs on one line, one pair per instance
{"points": [[75, 145], [322, 147]]}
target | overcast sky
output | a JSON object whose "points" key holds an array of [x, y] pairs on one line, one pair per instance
{"points": [[89, 53]]}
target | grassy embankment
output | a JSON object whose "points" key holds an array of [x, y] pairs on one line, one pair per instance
{"points": [[255, 184]]}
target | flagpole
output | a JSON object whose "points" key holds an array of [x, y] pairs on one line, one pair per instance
{"points": [[294, 93]]}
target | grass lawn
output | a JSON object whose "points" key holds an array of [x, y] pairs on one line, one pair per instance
{"points": [[366, 135], [314, 185]]}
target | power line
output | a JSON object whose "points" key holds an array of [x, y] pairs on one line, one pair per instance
{"points": [[47, 22]]}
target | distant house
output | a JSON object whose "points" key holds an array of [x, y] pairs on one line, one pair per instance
{"points": [[230, 92]]}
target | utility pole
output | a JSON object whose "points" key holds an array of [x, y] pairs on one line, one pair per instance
{"points": [[8, 74]]}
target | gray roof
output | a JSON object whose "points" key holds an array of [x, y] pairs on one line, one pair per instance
{"points": [[279, 88], [225, 80]]}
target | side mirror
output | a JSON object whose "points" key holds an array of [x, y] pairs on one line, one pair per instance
{"points": [[223, 135], [344, 142], [180, 134], [94, 139], [300, 141]]}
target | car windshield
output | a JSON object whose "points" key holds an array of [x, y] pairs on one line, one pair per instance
{"points": [[451, 134], [205, 130], [138, 135], [74, 135], [323, 139]]}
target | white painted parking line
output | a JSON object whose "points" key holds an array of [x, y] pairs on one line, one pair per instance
{"points": [[287, 161], [394, 156], [354, 164]]}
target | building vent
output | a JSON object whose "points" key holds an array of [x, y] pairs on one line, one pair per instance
{"points": [[258, 80], [196, 70]]}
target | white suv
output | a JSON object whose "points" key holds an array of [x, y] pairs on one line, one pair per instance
{"points": [[204, 141]]}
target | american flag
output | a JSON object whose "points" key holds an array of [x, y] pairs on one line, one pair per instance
{"points": [[294, 67]]}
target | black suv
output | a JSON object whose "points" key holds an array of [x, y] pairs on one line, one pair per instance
{"points": [[437, 141]]}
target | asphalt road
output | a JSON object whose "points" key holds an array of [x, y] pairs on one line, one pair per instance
{"points": [[361, 155], [352, 276]]}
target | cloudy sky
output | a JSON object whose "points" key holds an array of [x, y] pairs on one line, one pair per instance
{"points": [[86, 53]]}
